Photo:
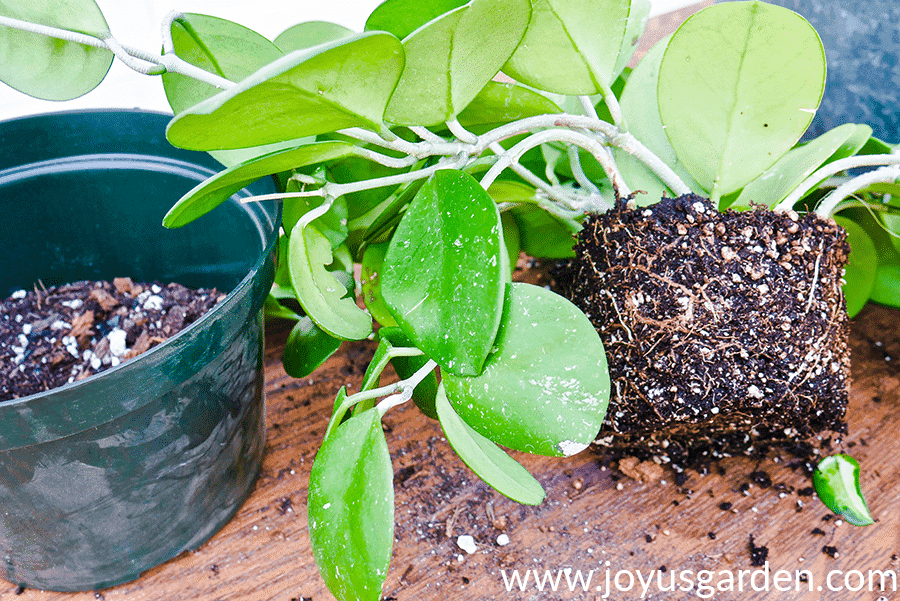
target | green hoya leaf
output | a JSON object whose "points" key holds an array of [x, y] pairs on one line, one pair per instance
{"points": [[499, 103], [402, 17], [307, 347], [370, 278], [50, 68], [540, 234], [214, 191], [424, 394], [859, 276], [443, 276], [449, 60], [785, 175], [836, 481], [346, 83], [511, 239], [351, 509], [274, 309], [572, 46], [638, 15], [886, 289], [320, 294], [739, 83], [640, 110], [486, 459], [332, 225], [219, 46], [309, 34], [545, 387]]}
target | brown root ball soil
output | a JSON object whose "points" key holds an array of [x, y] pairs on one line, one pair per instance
{"points": [[721, 329]]}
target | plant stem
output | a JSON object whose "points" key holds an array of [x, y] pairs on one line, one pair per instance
{"points": [[807, 185], [884, 175], [408, 387]]}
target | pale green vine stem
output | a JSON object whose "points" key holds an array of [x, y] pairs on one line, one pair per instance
{"points": [[810, 183], [461, 132], [577, 170], [427, 135], [884, 175], [530, 177]]}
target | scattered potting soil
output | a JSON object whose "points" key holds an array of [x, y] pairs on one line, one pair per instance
{"points": [[721, 328], [57, 335]]}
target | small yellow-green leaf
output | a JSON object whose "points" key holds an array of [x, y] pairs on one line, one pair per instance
{"points": [[836, 480], [309, 34]]}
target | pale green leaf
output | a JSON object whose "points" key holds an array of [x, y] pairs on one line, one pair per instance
{"points": [[402, 17], [859, 276], [309, 34], [499, 103], [836, 480]]}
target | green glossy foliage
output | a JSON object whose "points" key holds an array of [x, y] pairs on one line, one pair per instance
{"points": [[859, 274], [499, 103], [309, 34], [511, 239], [273, 309], [486, 459], [638, 15], [640, 109], [443, 276], [320, 293], [836, 481], [351, 509], [370, 278], [739, 83], [307, 347], [540, 234], [219, 46], [450, 60], [785, 175], [49, 68], [573, 46], [529, 399], [425, 393], [333, 224], [402, 17], [342, 84], [886, 289], [214, 191]]}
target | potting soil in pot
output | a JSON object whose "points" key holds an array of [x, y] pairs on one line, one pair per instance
{"points": [[720, 329], [57, 335]]}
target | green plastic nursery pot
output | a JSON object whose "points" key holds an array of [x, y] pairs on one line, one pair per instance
{"points": [[107, 477]]}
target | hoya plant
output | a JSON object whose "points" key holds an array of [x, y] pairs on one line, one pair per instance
{"points": [[417, 159]]}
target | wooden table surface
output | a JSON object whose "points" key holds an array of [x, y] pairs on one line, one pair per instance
{"points": [[593, 513]]}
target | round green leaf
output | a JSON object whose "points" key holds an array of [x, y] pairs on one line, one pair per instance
{"points": [[50, 68], [443, 276], [641, 111], [214, 191], [540, 234], [780, 179], [273, 309], [309, 34], [402, 17], [739, 83], [370, 278], [319, 292], [836, 481], [219, 46], [342, 84], [351, 509], [486, 459], [449, 60], [499, 103], [545, 387], [859, 276], [572, 46], [307, 348], [886, 289]]}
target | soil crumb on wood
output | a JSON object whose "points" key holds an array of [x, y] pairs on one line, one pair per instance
{"points": [[721, 328], [53, 336]]}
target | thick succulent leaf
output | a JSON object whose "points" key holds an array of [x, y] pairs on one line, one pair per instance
{"points": [[886, 288], [641, 112], [511, 239], [859, 276], [443, 276], [499, 103], [351, 509], [782, 178], [307, 347], [214, 191], [545, 387], [309, 34], [402, 17], [424, 394], [571, 46], [319, 292], [50, 68], [219, 46], [638, 15], [449, 60], [333, 224], [540, 234], [836, 480], [486, 459], [307, 92], [274, 309], [739, 83], [370, 279]]}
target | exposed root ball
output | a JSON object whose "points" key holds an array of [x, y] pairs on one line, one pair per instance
{"points": [[717, 326]]}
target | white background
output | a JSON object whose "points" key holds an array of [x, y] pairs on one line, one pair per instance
{"points": [[137, 23]]}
